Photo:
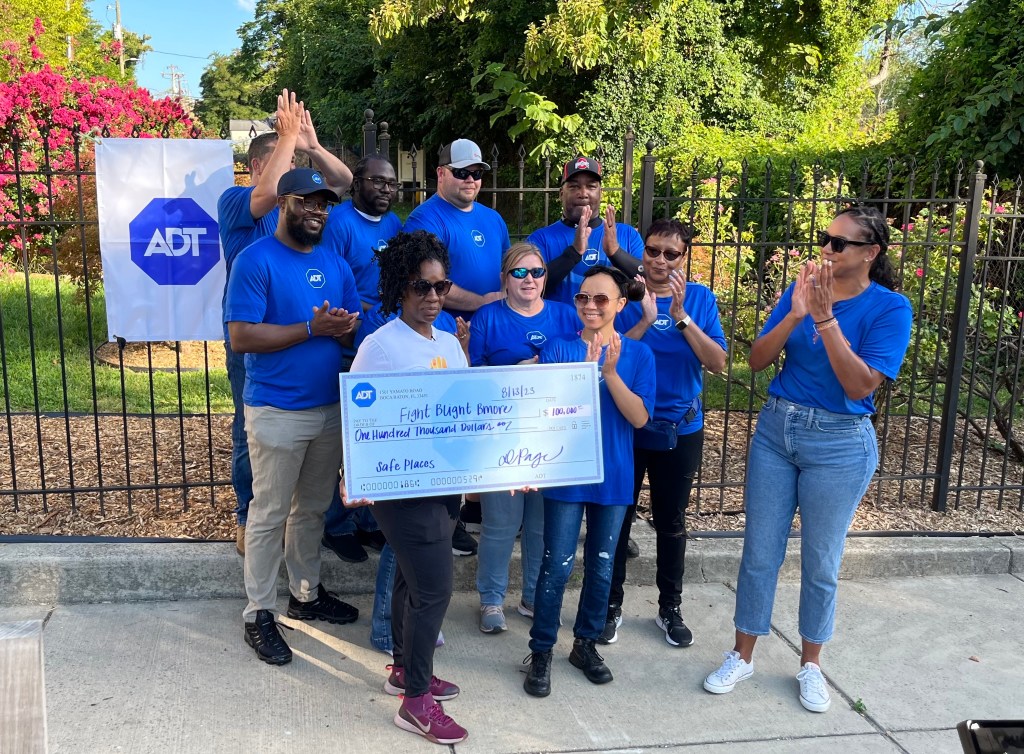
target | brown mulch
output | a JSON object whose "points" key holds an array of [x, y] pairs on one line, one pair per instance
{"points": [[197, 450], [164, 355]]}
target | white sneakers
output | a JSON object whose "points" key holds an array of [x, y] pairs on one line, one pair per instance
{"points": [[814, 694], [734, 669]]}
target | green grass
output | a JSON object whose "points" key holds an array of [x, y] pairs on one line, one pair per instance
{"points": [[47, 386]]}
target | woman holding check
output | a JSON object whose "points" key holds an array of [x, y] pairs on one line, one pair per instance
{"points": [[844, 330]]}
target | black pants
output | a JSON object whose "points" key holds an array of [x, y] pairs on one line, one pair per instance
{"points": [[670, 473], [420, 533]]}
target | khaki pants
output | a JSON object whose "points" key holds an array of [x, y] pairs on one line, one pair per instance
{"points": [[295, 458]]}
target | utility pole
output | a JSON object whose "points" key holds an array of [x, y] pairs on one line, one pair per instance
{"points": [[71, 49], [119, 34], [175, 75]]}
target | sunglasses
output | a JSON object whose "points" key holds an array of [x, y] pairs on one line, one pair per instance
{"points": [[464, 173], [520, 273], [670, 256], [600, 300], [312, 205], [423, 287], [380, 183], [839, 244]]}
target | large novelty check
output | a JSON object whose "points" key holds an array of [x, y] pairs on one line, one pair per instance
{"points": [[447, 431]]}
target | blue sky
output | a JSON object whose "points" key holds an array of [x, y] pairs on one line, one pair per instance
{"points": [[194, 28]]}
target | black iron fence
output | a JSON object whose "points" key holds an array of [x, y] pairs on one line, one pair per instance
{"points": [[110, 429]]}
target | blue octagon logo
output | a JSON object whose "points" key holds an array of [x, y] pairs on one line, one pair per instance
{"points": [[174, 241], [363, 394], [590, 257], [663, 322], [478, 238]]}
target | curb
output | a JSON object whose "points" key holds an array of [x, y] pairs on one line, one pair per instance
{"points": [[66, 573]]}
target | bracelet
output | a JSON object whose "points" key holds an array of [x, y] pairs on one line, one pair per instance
{"points": [[824, 321], [829, 323], [309, 330]]}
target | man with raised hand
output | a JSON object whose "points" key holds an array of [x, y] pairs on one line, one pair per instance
{"points": [[291, 306], [246, 214]]}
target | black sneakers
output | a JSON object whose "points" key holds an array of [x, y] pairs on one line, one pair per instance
{"points": [[471, 515], [585, 657], [676, 632], [538, 675], [632, 549], [345, 546], [463, 543], [326, 607], [373, 539], [610, 634], [263, 636]]}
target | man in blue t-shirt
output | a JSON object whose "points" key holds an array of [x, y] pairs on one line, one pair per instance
{"points": [[290, 307], [581, 239], [247, 213]]}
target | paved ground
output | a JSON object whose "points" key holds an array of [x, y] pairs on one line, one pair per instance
{"points": [[911, 658]]}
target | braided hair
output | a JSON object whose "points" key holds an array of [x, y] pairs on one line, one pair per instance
{"points": [[873, 223], [400, 262]]}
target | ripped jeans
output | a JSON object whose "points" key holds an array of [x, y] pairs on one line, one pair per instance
{"points": [[562, 522]]}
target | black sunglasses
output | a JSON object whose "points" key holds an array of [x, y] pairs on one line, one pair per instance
{"points": [[600, 299], [464, 173], [520, 273], [839, 244], [423, 287], [670, 256]]}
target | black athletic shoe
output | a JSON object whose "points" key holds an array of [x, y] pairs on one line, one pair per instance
{"points": [[471, 516], [610, 634], [671, 622], [345, 546], [326, 607], [585, 657], [538, 675], [263, 636], [463, 543], [373, 539], [632, 549]]}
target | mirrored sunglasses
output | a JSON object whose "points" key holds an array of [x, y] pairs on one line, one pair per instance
{"points": [[520, 273]]}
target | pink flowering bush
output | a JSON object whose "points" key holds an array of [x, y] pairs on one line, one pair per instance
{"points": [[47, 122]]}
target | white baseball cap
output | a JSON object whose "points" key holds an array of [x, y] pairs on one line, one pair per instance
{"points": [[462, 153]]}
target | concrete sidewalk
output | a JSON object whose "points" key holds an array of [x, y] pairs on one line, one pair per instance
{"points": [[911, 658]]}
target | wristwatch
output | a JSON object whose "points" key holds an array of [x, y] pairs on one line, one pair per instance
{"points": [[681, 324]]}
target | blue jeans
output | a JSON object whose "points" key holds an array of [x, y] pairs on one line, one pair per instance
{"points": [[241, 470], [380, 621], [562, 523], [820, 463], [340, 520], [502, 515]]}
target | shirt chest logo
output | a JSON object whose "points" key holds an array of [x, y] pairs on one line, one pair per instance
{"points": [[536, 338], [381, 245], [478, 238], [315, 278], [663, 322], [590, 257]]}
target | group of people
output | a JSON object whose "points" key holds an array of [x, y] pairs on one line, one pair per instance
{"points": [[323, 287]]}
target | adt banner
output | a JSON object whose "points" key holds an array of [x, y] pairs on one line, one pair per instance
{"points": [[163, 268]]}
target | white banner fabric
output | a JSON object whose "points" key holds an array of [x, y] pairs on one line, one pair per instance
{"points": [[163, 269]]}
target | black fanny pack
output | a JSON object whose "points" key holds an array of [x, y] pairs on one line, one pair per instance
{"points": [[663, 435]]}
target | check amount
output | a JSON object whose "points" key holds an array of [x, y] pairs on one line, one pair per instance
{"points": [[450, 431]]}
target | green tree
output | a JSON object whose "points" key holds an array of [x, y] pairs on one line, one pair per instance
{"points": [[227, 93]]}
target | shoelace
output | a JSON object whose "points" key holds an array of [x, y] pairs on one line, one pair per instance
{"points": [[492, 610], [437, 715], [273, 639], [814, 680], [732, 661], [540, 656], [672, 618]]}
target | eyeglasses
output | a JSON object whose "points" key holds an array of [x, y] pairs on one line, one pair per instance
{"points": [[380, 184], [312, 205], [600, 299], [423, 287], [670, 256], [464, 173], [839, 244], [520, 273]]}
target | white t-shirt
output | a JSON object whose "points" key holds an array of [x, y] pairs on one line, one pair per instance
{"points": [[396, 347]]}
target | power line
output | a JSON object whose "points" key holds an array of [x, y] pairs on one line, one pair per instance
{"points": [[181, 54]]}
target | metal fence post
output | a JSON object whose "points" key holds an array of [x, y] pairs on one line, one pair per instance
{"points": [[647, 188], [957, 344], [627, 176], [369, 134]]}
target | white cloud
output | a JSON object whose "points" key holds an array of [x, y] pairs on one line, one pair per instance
{"points": [[247, 5]]}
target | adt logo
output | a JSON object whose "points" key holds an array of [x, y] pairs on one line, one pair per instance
{"points": [[363, 394], [315, 278], [590, 257], [381, 245], [536, 337], [478, 237], [663, 322], [174, 241]]}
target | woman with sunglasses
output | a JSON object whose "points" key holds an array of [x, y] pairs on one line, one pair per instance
{"points": [[679, 321], [627, 399], [414, 282], [514, 330], [844, 330]]}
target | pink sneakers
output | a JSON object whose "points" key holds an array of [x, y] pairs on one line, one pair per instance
{"points": [[425, 717], [442, 691]]}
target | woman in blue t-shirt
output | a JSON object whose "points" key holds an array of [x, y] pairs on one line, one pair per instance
{"points": [[514, 330], [844, 330], [679, 321], [627, 400]]}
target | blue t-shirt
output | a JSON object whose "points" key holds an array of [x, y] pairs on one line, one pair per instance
{"points": [[238, 228], [555, 238], [499, 335], [374, 319], [356, 238], [636, 368], [876, 324], [275, 284], [680, 373], [476, 241]]}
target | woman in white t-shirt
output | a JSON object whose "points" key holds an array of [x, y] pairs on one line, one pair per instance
{"points": [[414, 282]]}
